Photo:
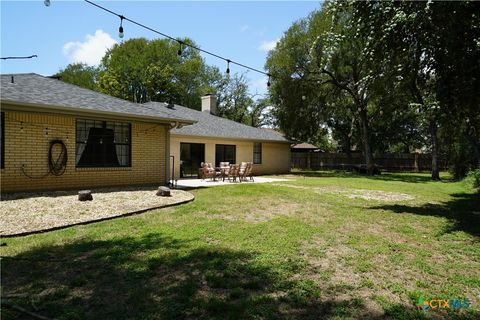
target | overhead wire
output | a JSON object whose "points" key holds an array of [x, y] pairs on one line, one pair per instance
{"points": [[228, 61], [25, 57]]}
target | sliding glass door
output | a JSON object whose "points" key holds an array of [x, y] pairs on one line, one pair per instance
{"points": [[191, 156]]}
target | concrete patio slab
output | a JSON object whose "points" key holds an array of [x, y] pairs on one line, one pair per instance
{"points": [[200, 183]]}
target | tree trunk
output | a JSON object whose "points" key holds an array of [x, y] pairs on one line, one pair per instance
{"points": [[433, 133], [348, 148], [366, 141]]}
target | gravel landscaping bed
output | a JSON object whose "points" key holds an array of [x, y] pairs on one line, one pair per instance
{"points": [[24, 213]]}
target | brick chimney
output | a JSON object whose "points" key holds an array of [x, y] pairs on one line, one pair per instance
{"points": [[209, 103]]}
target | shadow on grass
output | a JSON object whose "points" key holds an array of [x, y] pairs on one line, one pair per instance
{"points": [[156, 277], [385, 176], [463, 212]]}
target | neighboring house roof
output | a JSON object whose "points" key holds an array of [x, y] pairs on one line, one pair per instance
{"points": [[304, 146], [31, 89], [209, 125]]}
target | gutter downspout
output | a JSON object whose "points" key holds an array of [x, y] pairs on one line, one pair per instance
{"points": [[167, 155], [170, 180]]}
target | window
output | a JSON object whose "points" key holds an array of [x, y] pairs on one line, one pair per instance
{"points": [[257, 153], [224, 153], [2, 139], [103, 144]]}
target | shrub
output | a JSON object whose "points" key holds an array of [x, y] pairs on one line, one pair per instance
{"points": [[474, 178]]}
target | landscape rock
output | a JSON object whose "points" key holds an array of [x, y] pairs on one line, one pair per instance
{"points": [[85, 195]]}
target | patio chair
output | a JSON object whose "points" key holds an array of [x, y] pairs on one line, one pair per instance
{"points": [[224, 167], [208, 171], [242, 168], [201, 174], [233, 172], [248, 172]]}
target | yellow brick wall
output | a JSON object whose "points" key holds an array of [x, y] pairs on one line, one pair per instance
{"points": [[29, 147], [275, 156]]}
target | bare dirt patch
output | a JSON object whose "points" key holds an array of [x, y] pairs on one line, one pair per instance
{"points": [[377, 195], [345, 270], [30, 212], [330, 267]]}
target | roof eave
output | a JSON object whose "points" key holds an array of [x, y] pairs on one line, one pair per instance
{"points": [[75, 111], [229, 138]]}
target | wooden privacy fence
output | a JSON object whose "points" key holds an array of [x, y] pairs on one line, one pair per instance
{"points": [[386, 161]]}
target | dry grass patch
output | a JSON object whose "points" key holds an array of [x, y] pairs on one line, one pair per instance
{"points": [[334, 267], [376, 195], [374, 261], [29, 212], [254, 212]]}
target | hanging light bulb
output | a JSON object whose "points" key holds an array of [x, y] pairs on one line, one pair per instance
{"points": [[21, 127], [228, 66], [120, 29], [268, 82], [46, 3], [179, 52]]}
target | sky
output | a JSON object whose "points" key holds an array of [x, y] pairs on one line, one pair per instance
{"points": [[75, 31]]}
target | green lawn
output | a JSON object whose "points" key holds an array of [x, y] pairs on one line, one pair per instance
{"points": [[322, 246]]}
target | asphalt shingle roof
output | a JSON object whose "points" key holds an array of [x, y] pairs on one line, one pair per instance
{"points": [[209, 125], [31, 88], [304, 145]]}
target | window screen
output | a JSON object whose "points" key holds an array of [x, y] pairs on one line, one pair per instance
{"points": [[257, 153], [225, 153], [103, 143]]}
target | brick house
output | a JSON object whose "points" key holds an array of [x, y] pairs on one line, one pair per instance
{"points": [[215, 139], [57, 136]]}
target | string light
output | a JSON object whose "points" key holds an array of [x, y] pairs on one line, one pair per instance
{"points": [[178, 41], [268, 82], [29, 57], [46, 3], [120, 29], [179, 52]]}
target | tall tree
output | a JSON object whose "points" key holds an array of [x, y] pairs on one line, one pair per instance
{"points": [[435, 45], [143, 70], [234, 99], [79, 74], [324, 54]]}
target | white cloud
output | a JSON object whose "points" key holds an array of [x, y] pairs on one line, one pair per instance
{"points": [[244, 28], [268, 45], [91, 51]]}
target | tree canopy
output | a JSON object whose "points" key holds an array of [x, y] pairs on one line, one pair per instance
{"points": [[142, 70], [382, 75], [79, 74]]}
